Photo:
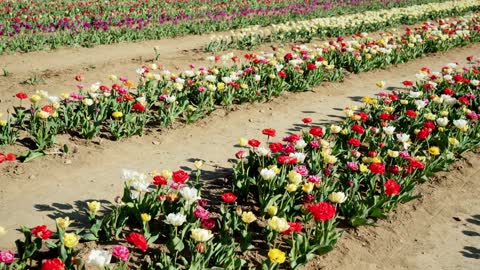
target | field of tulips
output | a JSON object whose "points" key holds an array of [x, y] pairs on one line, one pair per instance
{"points": [[124, 108], [372, 20], [35, 25], [287, 195]]}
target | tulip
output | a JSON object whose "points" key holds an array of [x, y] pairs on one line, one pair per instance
{"points": [[93, 207], [99, 258], [272, 210], [198, 164], [267, 174], [63, 223], [3, 231], [276, 256], [176, 220], [145, 217], [201, 235], [278, 224], [337, 197], [70, 240], [190, 195], [248, 217]]}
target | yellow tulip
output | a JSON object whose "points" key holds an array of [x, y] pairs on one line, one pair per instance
{"points": [[145, 217], [381, 84], [35, 98], [198, 164], [63, 223], [276, 256], [94, 207], [243, 142], [70, 240], [308, 187], [248, 217], [272, 210], [453, 141], [3, 231], [434, 151], [117, 115], [291, 187], [166, 173], [363, 168], [294, 177], [42, 115]]}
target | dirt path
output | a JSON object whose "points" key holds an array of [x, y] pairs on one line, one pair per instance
{"points": [[58, 68], [29, 193]]}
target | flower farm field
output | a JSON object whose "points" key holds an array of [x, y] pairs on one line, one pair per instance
{"points": [[35, 25], [320, 193]]}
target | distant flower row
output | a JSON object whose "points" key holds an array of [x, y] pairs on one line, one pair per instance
{"points": [[36, 25], [287, 193], [124, 108], [339, 25]]}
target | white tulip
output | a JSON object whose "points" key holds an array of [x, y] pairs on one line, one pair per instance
{"points": [[267, 174], [176, 219], [299, 156], [443, 121], [99, 258], [262, 151], [389, 130], [403, 138], [190, 194], [300, 144]]}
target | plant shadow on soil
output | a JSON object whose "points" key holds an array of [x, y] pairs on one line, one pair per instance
{"points": [[470, 251], [77, 212], [216, 182]]}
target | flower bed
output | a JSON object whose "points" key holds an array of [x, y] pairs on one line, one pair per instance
{"points": [[305, 31], [35, 25], [287, 195], [124, 109]]}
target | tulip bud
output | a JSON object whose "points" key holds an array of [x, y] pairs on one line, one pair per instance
{"points": [[272, 210]]}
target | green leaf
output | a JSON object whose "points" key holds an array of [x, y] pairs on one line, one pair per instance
{"points": [[30, 155], [38, 243], [152, 238], [358, 221], [130, 204], [65, 148], [24, 229], [63, 253], [89, 237], [378, 213], [324, 250], [50, 244], [176, 244]]}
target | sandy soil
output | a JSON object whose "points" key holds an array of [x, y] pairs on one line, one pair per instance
{"points": [[421, 235], [58, 68]]}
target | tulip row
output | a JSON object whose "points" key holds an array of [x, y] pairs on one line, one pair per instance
{"points": [[362, 168], [35, 25], [305, 31], [124, 109], [358, 170]]}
